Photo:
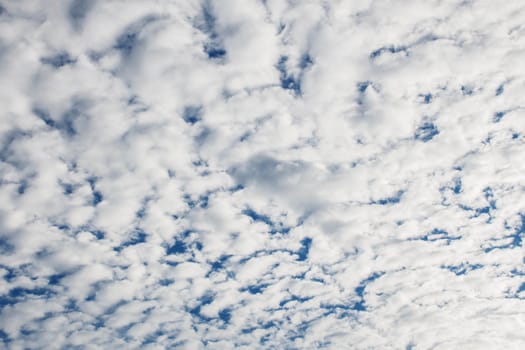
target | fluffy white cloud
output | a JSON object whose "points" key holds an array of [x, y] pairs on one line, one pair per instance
{"points": [[261, 174]]}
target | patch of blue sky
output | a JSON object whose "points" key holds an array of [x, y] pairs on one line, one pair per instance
{"points": [[426, 98], [274, 227], [467, 90], [426, 132], [213, 47], [195, 311], [360, 305], [179, 247], [99, 234], [255, 288], [214, 51], [306, 61], [389, 200], [256, 217], [19, 294], [56, 278], [479, 211], [67, 188], [10, 273], [512, 241], [437, 235], [500, 90], [462, 268], [306, 243], [458, 185], [58, 60], [225, 315], [363, 85], [44, 116], [293, 299], [129, 39], [220, 263], [288, 81], [489, 196], [389, 50], [137, 236], [66, 123], [192, 114], [97, 197], [498, 116], [126, 42]]}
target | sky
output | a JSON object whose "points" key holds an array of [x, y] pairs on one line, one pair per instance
{"points": [[262, 174]]}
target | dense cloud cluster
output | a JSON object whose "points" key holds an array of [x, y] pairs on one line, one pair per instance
{"points": [[262, 174]]}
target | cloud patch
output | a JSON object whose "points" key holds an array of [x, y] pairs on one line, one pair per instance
{"points": [[261, 174]]}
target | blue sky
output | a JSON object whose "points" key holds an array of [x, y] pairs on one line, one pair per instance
{"points": [[262, 174]]}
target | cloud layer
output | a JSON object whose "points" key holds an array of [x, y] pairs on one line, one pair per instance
{"points": [[262, 174]]}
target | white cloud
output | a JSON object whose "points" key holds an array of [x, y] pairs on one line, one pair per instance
{"points": [[261, 174]]}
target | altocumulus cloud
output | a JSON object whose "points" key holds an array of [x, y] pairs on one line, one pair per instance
{"points": [[262, 174]]}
